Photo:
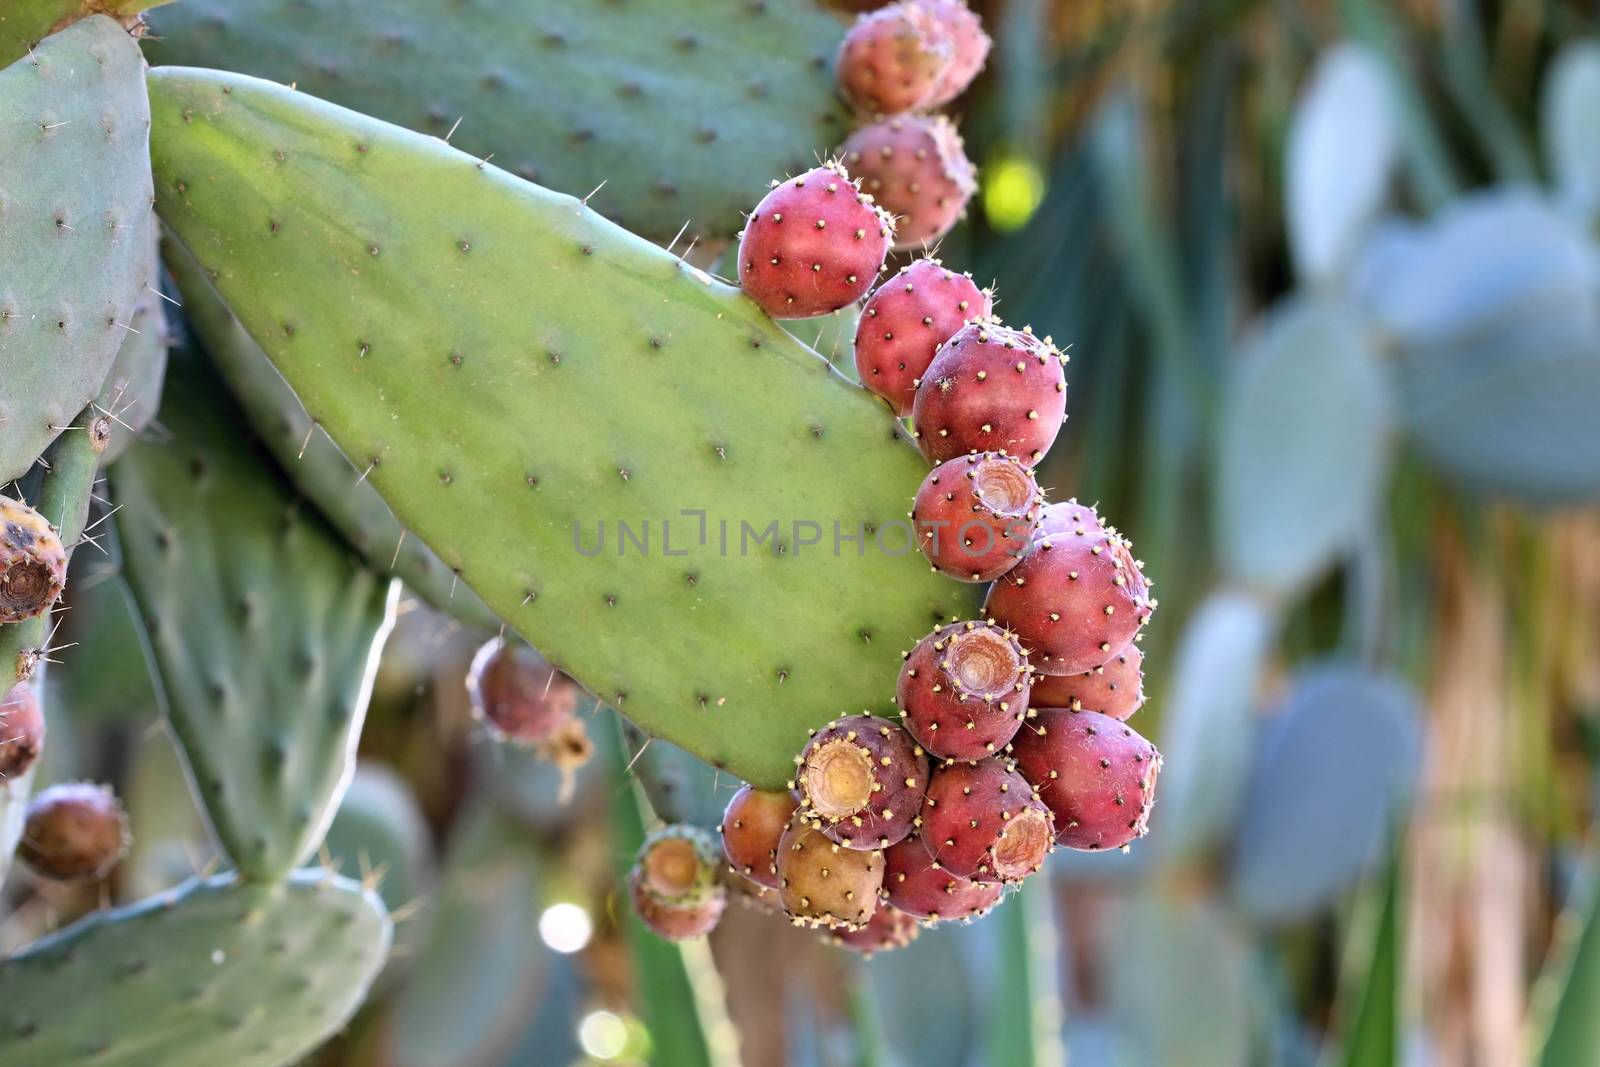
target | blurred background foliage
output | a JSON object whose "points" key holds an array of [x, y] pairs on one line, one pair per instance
{"points": [[1327, 271]]}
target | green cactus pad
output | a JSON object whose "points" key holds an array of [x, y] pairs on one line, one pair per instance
{"points": [[509, 370], [131, 393], [310, 459], [75, 227], [215, 972], [24, 23], [265, 629], [683, 110]]}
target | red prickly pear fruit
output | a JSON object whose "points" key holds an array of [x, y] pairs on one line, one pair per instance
{"points": [[975, 515], [861, 779], [888, 929], [893, 59], [823, 884], [991, 389], [751, 826], [1115, 688], [813, 245], [970, 47], [21, 731], [1075, 598], [982, 822], [917, 168], [33, 563], [518, 694], [904, 322], [915, 883], [1096, 773], [678, 865], [674, 922], [76, 830], [963, 690]]}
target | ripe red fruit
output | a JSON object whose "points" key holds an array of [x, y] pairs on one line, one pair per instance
{"points": [[21, 730], [963, 690], [674, 922], [822, 883], [904, 322], [970, 48], [1077, 597], [1115, 688], [982, 821], [751, 826], [813, 245], [862, 779], [75, 830], [674, 883], [915, 883], [1097, 775], [889, 928], [518, 694], [893, 59], [975, 515], [917, 168], [991, 389], [33, 563]]}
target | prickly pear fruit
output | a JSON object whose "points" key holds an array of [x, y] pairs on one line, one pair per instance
{"points": [[753, 894], [751, 827], [75, 830], [963, 690], [893, 59], [520, 696], [991, 389], [982, 821], [970, 48], [975, 515], [904, 322], [1115, 688], [888, 929], [674, 882], [917, 884], [861, 779], [916, 167], [813, 245], [675, 923], [1076, 597], [21, 730], [822, 883], [1097, 775], [33, 563]]}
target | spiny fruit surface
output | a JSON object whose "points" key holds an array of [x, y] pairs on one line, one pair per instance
{"points": [[975, 515], [678, 866], [75, 830], [970, 47], [33, 562], [991, 389], [861, 779], [1096, 773], [822, 883], [1115, 688], [917, 169], [915, 883], [982, 821], [517, 692], [675, 922], [904, 322], [963, 690], [888, 929], [477, 419], [1075, 598], [893, 59], [22, 730], [751, 828], [813, 245]]}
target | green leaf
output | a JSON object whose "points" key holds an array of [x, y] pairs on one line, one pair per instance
{"points": [[1372, 991]]}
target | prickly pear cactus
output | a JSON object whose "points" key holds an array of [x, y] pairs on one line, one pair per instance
{"points": [[265, 630], [75, 227], [131, 393], [682, 110], [514, 373], [24, 23], [215, 972]]}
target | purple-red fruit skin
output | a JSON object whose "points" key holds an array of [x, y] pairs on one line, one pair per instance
{"points": [[1115, 688], [674, 922], [915, 883], [889, 928], [991, 389], [975, 515], [1097, 775], [970, 48], [518, 694], [22, 730], [813, 245], [862, 778], [751, 828], [963, 690], [906, 320], [75, 830], [893, 59], [982, 822], [917, 169]]}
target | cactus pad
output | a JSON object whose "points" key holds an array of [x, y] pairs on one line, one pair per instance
{"points": [[214, 972], [510, 370]]}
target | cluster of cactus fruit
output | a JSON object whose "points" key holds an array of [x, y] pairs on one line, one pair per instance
{"points": [[1011, 737]]}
